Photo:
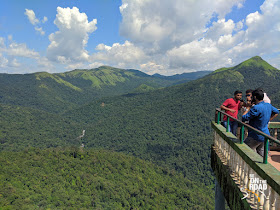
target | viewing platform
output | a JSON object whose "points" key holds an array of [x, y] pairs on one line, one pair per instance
{"points": [[243, 178], [274, 156]]}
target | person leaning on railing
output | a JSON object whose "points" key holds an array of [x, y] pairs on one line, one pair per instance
{"points": [[258, 116], [231, 106]]}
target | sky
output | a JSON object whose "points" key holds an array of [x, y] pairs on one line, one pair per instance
{"points": [[153, 36]]}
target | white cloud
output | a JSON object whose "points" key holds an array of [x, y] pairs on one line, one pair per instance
{"points": [[75, 66], [275, 61], [177, 21], [45, 63], [220, 28], [10, 37], [240, 5], [121, 55], [21, 50], [45, 19], [40, 30], [35, 21], [95, 65], [196, 55], [3, 61], [177, 31], [2, 42], [152, 67], [31, 16], [164, 36], [14, 63], [68, 44], [18, 58]]}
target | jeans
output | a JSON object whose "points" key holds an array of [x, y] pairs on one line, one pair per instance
{"points": [[232, 126]]}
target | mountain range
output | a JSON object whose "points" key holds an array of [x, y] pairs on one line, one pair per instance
{"points": [[57, 92], [127, 111]]}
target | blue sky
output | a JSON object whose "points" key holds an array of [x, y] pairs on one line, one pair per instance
{"points": [[154, 36]]}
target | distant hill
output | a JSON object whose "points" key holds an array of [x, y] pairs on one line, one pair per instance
{"points": [[57, 92], [185, 77]]}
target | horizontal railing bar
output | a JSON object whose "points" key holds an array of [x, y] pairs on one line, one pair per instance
{"points": [[250, 127], [265, 171]]}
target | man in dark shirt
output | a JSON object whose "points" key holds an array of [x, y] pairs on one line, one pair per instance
{"points": [[258, 117]]}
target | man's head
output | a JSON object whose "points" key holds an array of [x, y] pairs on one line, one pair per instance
{"points": [[238, 95], [249, 95], [258, 94]]}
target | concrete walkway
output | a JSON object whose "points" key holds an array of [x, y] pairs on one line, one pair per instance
{"points": [[274, 159]]}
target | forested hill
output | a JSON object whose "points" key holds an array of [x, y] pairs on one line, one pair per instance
{"points": [[172, 125], [57, 92], [169, 127]]}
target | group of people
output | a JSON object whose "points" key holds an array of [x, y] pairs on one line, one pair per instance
{"points": [[256, 111]]}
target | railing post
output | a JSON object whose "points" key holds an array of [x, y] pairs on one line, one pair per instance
{"points": [[266, 145], [227, 124], [242, 134], [219, 118]]}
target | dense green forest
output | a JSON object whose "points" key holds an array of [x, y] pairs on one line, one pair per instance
{"points": [[69, 178], [167, 126]]}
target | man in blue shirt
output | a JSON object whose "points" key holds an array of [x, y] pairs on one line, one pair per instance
{"points": [[258, 117]]}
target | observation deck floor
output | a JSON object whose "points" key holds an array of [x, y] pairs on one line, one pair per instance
{"points": [[274, 159]]}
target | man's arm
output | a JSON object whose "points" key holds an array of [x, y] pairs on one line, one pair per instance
{"points": [[227, 109], [250, 114], [246, 111], [274, 114]]}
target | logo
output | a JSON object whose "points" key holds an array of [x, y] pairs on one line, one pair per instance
{"points": [[256, 186]]}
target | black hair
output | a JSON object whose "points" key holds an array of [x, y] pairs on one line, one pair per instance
{"points": [[258, 93], [249, 91], [237, 92]]}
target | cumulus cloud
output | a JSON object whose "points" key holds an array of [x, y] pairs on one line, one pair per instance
{"points": [[177, 30], [177, 21], [18, 58], [220, 28], [31, 16], [178, 36], [45, 19], [3, 61], [35, 21], [21, 50], [121, 55], [69, 42], [152, 67], [180, 32], [40, 30], [195, 55]]}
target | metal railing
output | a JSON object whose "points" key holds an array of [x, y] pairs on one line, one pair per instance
{"points": [[218, 117]]}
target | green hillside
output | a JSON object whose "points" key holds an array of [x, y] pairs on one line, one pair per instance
{"points": [[172, 125], [58, 92], [71, 179], [169, 127]]}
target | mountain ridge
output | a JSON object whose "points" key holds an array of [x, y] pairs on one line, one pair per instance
{"points": [[73, 88], [169, 126]]}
